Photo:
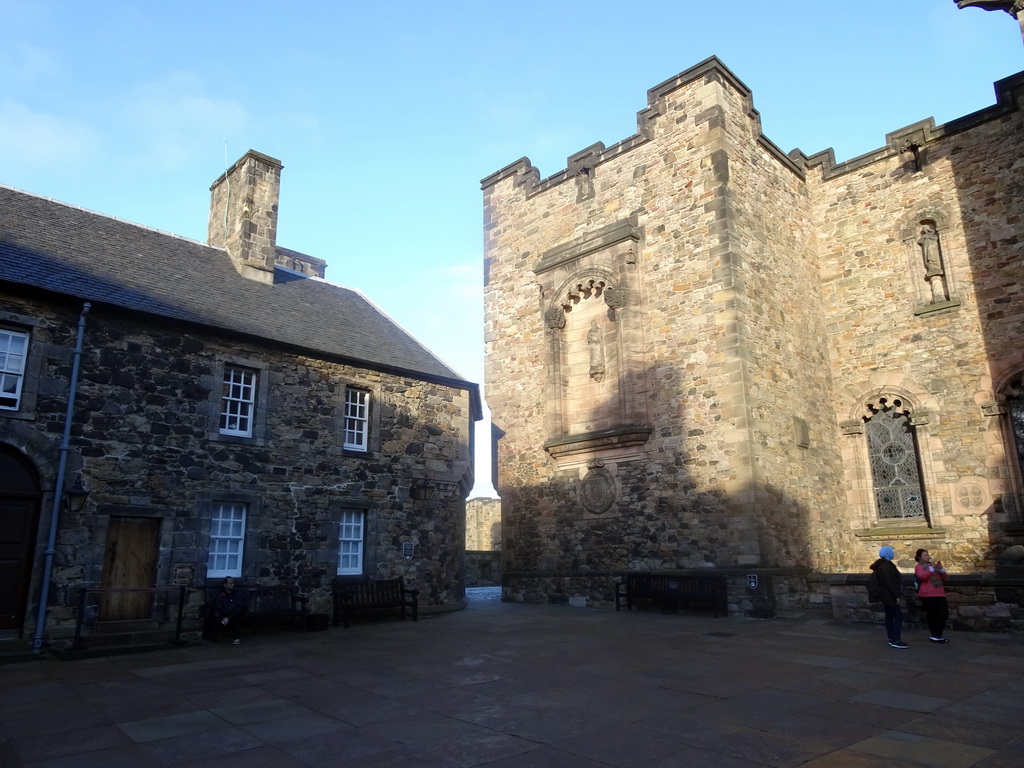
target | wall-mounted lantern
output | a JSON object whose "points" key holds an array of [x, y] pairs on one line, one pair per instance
{"points": [[75, 496], [421, 490]]}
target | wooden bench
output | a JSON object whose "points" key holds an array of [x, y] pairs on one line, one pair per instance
{"points": [[350, 597], [278, 603], [706, 591]]}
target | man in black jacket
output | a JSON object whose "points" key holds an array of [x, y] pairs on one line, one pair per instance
{"points": [[891, 582], [228, 608]]}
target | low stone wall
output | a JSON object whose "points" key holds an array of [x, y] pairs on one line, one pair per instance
{"points": [[558, 587], [977, 602], [755, 592]]}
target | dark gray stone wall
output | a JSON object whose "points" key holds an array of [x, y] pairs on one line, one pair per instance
{"points": [[145, 442]]}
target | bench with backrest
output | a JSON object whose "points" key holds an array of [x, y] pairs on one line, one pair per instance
{"points": [[706, 591], [350, 597], [273, 604]]}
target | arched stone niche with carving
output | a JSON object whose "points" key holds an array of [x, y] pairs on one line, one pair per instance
{"points": [[929, 245], [596, 388]]}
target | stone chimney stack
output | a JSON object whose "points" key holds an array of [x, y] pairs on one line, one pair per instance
{"points": [[243, 214]]}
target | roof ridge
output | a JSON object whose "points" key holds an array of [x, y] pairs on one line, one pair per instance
{"points": [[55, 201]]}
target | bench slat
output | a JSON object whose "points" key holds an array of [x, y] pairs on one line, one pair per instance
{"points": [[672, 591], [267, 603], [386, 593]]}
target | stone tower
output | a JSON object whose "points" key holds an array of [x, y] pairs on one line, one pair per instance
{"points": [[703, 352]]}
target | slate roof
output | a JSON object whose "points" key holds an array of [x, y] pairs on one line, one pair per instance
{"points": [[56, 247]]}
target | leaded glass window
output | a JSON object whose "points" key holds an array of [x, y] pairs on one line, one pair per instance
{"points": [[1015, 412], [895, 473]]}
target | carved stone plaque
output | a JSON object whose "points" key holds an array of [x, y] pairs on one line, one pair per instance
{"points": [[597, 491]]}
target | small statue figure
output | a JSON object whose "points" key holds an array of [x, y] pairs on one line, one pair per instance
{"points": [[933, 271], [596, 344], [929, 242]]}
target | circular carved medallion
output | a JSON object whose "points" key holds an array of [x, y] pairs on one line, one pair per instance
{"points": [[597, 491], [970, 495]]}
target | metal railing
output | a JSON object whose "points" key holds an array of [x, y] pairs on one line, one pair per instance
{"points": [[88, 613]]}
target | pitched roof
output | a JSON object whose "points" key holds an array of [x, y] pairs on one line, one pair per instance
{"points": [[90, 256]]}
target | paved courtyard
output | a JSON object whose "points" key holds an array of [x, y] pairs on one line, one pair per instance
{"points": [[511, 686]]}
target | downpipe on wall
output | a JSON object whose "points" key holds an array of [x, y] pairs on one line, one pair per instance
{"points": [[58, 491]]}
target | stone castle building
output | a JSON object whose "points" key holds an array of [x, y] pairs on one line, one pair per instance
{"points": [[703, 352], [230, 413], [483, 524]]}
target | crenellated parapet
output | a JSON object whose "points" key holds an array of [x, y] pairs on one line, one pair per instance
{"points": [[581, 165], [912, 140]]}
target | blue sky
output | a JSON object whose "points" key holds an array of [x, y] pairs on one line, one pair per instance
{"points": [[386, 115]]}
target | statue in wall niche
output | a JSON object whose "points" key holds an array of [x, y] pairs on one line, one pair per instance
{"points": [[932, 253], [595, 342]]}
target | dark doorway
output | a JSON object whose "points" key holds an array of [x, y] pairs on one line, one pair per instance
{"points": [[19, 520], [130, 560]]}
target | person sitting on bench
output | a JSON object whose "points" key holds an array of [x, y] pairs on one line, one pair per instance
{"points": [[228, 608]]}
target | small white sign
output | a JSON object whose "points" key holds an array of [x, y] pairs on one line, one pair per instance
{"points": [[407, 549]]}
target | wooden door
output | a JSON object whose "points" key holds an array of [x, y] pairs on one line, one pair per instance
{"points": [[130, 560], [19, 519]]}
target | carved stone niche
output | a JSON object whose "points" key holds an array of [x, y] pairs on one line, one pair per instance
{"points": [[596, 388]]}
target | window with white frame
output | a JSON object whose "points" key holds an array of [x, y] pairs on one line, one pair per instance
{"points": [[357, 414], [227, 539], [13, 351], [237, 401], [350, 542]]}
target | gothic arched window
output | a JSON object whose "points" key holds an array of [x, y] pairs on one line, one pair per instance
{"points": [[1015, 415], [895, 466]]}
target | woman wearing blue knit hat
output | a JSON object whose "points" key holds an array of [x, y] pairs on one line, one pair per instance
{"points": [[891, 582]]}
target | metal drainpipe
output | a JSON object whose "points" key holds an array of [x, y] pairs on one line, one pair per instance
{"points": [[65, 445]]}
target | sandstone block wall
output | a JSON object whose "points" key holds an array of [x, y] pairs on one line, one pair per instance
{"points": [[748, 307]]}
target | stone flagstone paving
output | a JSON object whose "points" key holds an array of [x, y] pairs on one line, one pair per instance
{"points": [[525, 686]]}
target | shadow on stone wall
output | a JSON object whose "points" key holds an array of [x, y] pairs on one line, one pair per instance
{"points": [[595, 518]]}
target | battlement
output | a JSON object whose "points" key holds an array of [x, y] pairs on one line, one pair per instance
{"points": [[916, 135]]}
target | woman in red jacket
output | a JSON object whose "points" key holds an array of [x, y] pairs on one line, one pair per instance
{"points": [[931, 576]]}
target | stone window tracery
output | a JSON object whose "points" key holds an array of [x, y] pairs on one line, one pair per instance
{"points": [[1013, 412], [894, 460]]}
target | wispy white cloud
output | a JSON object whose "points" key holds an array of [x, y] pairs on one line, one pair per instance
{"points": [[174, 119], [36, 139]]}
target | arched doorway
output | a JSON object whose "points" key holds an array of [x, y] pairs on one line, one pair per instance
{"points": [[20, 496]]}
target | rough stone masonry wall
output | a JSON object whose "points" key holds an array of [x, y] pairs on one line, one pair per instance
{"points": [[676, 505], [142, 427], [948, 364]]}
